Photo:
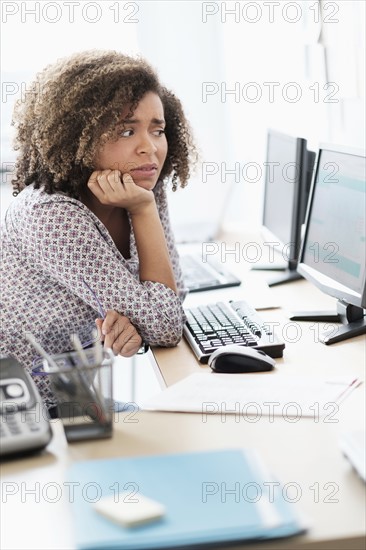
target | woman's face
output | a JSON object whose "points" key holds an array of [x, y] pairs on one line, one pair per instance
{"points": [[142, 147]]}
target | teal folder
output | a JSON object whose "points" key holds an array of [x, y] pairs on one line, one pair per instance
{"points": [[210, 497]]}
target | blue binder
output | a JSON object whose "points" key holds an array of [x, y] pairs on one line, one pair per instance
{"points": [[210, 497]]}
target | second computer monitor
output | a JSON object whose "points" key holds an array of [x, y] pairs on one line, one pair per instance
{"points": [[289, 167], [333, 254]]}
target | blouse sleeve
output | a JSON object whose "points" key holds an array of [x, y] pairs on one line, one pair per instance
{"points": [[65, 242], [162, 204]]}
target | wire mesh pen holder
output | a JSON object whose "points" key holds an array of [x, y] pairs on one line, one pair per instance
{"points": [[84, 392]]}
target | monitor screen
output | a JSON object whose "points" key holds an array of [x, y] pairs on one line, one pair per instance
{"points": [[281, 176], [286, 189], [334, 249]]}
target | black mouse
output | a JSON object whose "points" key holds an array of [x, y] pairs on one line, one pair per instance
{"points": [[237, 359]]}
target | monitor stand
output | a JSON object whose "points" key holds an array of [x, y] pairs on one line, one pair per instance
{"points": [[287, 275], [352, 317], [269, 267]]}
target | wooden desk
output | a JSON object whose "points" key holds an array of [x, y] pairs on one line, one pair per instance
{"points": [[35, 511]]}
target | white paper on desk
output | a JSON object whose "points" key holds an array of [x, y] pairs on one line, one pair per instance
{"points": [[259, 394]]}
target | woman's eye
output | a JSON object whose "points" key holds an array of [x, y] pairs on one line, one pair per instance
{"points": [[159, 132], [126, 133]]}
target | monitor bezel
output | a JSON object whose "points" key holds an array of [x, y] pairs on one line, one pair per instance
{"points": [[290, 251], [327, 284]]}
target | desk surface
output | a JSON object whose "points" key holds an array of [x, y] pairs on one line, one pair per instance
{"points": [[35, 510]]}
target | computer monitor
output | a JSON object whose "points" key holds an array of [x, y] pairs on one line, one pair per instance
{"points": [[333, 252], [289, 167]]}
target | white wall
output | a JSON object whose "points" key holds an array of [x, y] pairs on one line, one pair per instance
{"points": [[346, 48], [321, 51]]}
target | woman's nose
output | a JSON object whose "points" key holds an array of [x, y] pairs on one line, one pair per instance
{"points": [[146, 144]]}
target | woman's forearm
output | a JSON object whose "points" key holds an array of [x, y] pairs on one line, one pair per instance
{"points": [[155, 264]]}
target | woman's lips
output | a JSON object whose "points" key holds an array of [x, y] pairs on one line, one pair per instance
{"points": [[145, 171]]}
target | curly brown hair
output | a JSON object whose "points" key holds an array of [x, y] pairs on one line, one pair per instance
{"points": [[75, 107]]}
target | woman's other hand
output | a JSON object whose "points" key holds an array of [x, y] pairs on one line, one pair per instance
{"points": [[119, 334]]}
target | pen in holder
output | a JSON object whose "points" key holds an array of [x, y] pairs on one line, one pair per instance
{"points": [[82, 384]]}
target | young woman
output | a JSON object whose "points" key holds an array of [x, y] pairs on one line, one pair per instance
{"points": [[88, 235]]}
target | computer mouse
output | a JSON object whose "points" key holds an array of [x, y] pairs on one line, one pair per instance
{"points": [[238, 359]]}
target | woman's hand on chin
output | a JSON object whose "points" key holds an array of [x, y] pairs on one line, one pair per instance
{"points": [[112, 188]]}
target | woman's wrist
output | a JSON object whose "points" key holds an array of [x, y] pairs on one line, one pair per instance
{"points": [[141, 210]]}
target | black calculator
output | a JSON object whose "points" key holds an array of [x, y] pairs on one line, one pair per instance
{"points": [[24, 422]]}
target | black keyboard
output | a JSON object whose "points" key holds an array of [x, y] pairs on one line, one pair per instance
{"points": [[212, 326], [199, 275]]}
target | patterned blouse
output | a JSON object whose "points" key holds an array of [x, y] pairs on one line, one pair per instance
{"points": [[58, 260]]}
